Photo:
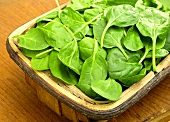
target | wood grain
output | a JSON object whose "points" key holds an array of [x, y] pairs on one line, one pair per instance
{"points": [[18, 101]]}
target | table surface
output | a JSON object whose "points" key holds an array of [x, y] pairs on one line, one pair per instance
{"points": [[18, 101]]}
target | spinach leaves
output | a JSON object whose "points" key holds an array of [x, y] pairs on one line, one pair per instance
{"points": [[100, 45], [153, 23], [61, 71], [94, 68], [33, 41]]}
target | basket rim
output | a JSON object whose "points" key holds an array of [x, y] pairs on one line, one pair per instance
{"points": [[85, 105]]}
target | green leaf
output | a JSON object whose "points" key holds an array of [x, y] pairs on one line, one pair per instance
{"points": [[132, 40], [98, 28], [130, 80], [80, 5], [148, 64], [113, 38], [90, 32], [153, 23], [167, 43], [159, 53], [59, 70], [56, 34], [153, 3], [89, 14], [31, 53], [165, 4], [109, 89], [75, 22], [119, 2], [86, 48], [40, 63], [147, 41], [119, 67], [140, 5], [113, 35], [51, 15], [94, 68], [69, 56], [121, 16], [32, 40]]}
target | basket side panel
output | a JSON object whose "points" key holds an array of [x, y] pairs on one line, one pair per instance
{"points": [[60, 108]]}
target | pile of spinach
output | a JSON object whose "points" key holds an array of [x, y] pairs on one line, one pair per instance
{"points": [[101, 46]]}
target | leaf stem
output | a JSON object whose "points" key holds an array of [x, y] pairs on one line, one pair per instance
{"points": [[47, 20], [59, 9], [124, 32], [95, 50], [153, 52], [123, 51], [56, 49], [96, 17], [103, 34], [42, 53], [72, 34], [87, 23], [144, 56]]}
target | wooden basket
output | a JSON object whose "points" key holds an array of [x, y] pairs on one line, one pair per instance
{"points": [[68, 100]]}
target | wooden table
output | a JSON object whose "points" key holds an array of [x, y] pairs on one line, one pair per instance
{"points": [[18, 101]]}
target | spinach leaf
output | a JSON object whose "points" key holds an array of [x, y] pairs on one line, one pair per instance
{"points": [[51, 15], [132, 40], [80, 5], [113, 35], [119, 2], [147, 64], [140, 5], [165, 4], [99, 2], [159, 53], [113, 38], [120, 67], [89, 14], [121, 16], [69, 56], [32, 40], [153, 3], [148, 46], [130, 80], [98, 28], [40, 63], [31, 53], [94, 68], [86, 48], [90, 32], [59, 70], [152, 24], [167, 43], [109, 89], [56, 34], [75, 22]]}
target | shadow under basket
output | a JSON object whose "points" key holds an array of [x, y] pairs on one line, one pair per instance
{"points": [[69, 101]]}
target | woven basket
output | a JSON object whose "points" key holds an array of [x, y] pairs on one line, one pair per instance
{"points": [[69, 101]]}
